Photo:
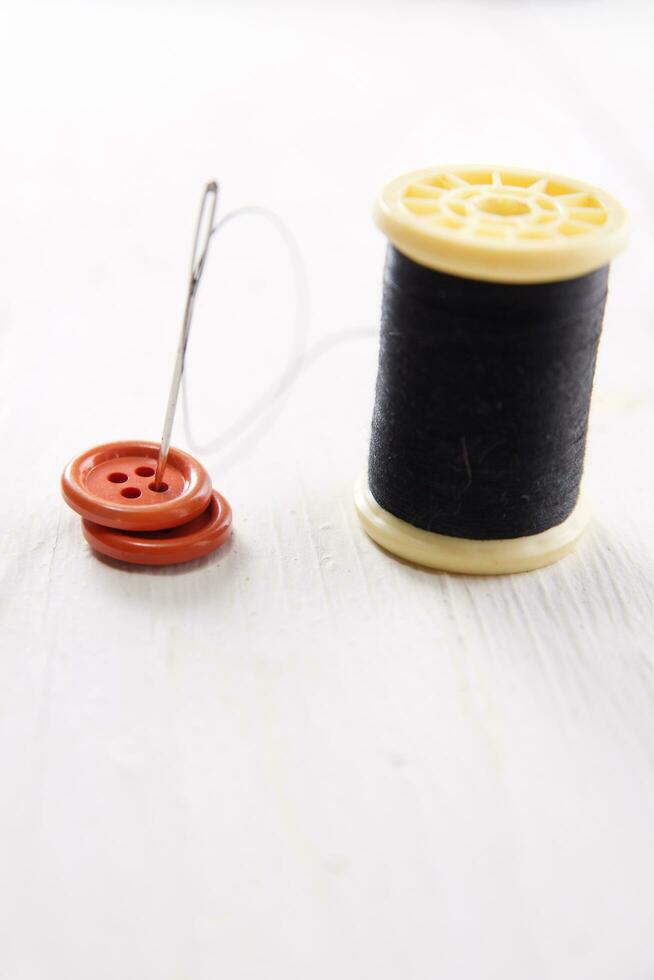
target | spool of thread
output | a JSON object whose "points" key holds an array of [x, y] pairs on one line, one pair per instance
{"points": [[493, 300]]}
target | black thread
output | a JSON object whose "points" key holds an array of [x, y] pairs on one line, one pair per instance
{"points": [[481, 408]]}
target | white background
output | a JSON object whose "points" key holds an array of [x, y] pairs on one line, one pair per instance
{"points": [[299, 758]]}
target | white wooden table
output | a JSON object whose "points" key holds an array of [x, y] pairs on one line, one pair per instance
{"points": [[300, 758]]}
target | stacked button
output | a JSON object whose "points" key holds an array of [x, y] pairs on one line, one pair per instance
{"points": [[126, 516]]}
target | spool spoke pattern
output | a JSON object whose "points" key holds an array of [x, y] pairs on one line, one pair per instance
{"points": [[504, 205], [501, 223]]}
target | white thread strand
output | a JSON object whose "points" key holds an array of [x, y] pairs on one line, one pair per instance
{"points": [[257, 414]]}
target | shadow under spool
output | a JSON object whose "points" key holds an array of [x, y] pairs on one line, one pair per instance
{"points": [[494, 293]]}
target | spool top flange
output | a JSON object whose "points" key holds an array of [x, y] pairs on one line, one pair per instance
{"points": [[501, 224]]}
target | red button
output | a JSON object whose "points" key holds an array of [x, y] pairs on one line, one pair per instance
{"points": [[113, 485], [199, 537]]}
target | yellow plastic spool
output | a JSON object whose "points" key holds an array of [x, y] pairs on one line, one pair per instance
{"points": [[498, 224]]}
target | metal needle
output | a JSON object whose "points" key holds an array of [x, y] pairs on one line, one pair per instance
{"points": [[203, 233]]}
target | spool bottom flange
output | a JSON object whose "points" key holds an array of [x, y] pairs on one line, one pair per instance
{"points": [[462, 555]]}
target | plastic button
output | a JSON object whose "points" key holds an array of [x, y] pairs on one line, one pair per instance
{"points": [[113, 485], [199, 537]]}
